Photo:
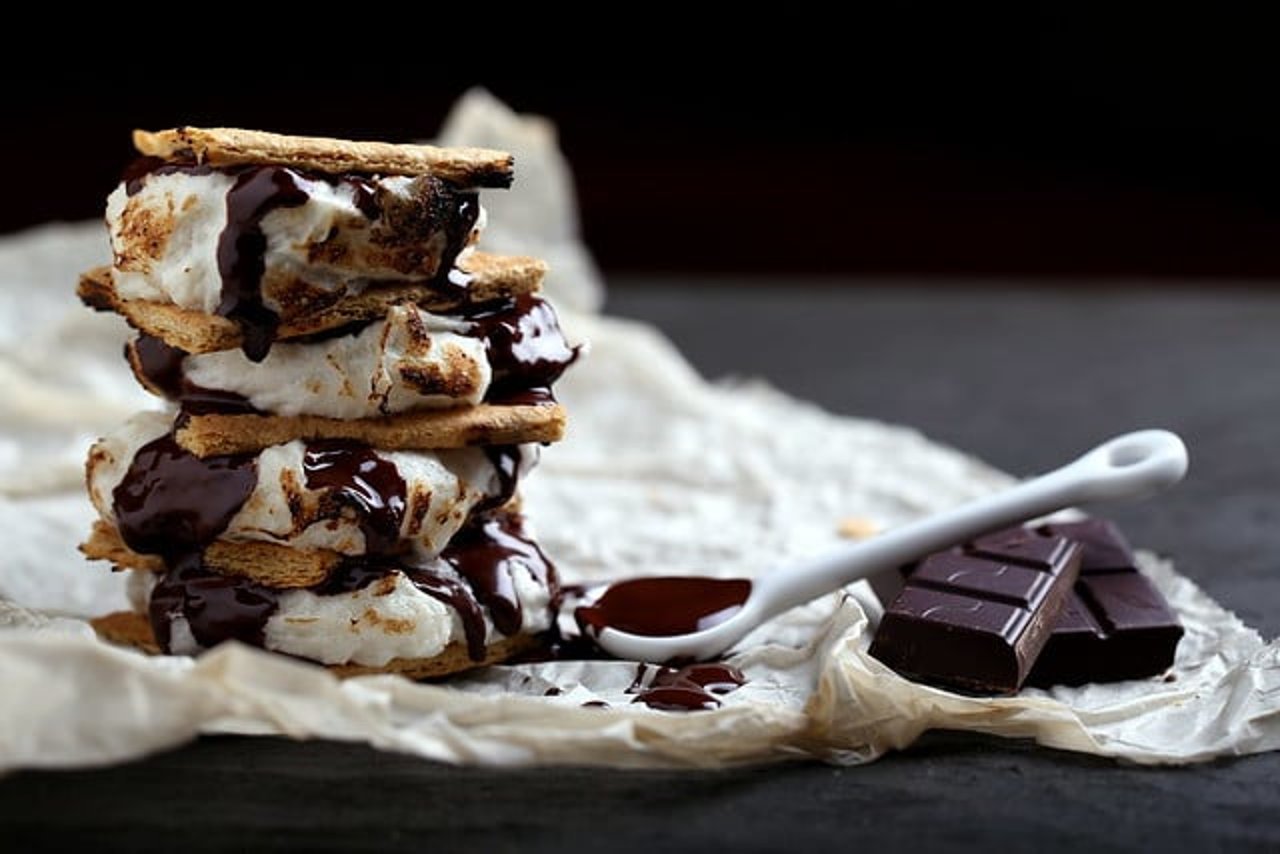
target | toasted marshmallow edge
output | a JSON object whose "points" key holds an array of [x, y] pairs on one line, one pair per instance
{"points": [[366, 375], [383, 621], [165, 237], [441, 488]]}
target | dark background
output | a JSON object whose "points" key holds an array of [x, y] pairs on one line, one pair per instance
{"points": [[1069, 143]]}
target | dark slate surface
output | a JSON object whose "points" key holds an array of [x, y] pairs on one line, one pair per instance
{"points": [[1022, 378]]}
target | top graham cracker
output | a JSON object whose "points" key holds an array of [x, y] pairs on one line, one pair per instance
{"points": [[467, 167]]}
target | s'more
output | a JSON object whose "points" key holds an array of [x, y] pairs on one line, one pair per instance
{"points": [[351, 393]]}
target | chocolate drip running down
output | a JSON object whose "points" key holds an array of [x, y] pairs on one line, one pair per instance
{"points": [[161, 365], [488, 553], [242, 249], [358, 478], [171, 502], [507, 460], [526, 349], [216, 607]]}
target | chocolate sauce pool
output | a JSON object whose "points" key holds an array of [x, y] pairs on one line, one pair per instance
{"points": [[664, 606], [694, 687]]}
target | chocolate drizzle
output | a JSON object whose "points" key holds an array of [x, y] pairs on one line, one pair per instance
{"points": [[216, 607], [160, 365], [459, 211], [488, 553], [136, 173], [171, 502], [506, 460], [242, 247], [358, 478], [527, 350], [695, 687]]}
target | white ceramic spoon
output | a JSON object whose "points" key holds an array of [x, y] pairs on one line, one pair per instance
{"points": [[699, 618]]}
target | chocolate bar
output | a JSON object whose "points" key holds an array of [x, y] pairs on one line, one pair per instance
{"points": [[1115, 625], [977, 619]]}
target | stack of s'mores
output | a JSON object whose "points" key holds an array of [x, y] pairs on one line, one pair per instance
{"points": [[356, 392]]}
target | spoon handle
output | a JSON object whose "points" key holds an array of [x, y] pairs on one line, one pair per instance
{"points": [[1132, 465]]}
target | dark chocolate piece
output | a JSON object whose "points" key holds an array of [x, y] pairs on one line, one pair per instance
{"points": [[1116, 625], [978, 621]]}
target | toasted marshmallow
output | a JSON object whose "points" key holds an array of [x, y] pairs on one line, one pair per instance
{"points": [[410, 360], [441, 488], [165, 236], [387, 619]]}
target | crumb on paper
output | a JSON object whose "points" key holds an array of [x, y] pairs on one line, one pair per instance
{"points": [[857, 528]]}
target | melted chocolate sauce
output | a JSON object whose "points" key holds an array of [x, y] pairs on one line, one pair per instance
{"points": [[458, 211], [364, 194], [137, 172], [506, 461], [526, 347], [659, 607], [540, 396], [694, 687], [358, 478], [241, 247], [216, 607], [171, 502], [161, 365], [487, 553]]}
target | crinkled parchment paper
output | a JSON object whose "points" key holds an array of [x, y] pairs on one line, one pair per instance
{"points": [[662, 473]]}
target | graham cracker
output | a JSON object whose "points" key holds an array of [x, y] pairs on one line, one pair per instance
{"points": [[434, 429], [491, 277], [269, 564], [127, 628], [467, 167]]}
